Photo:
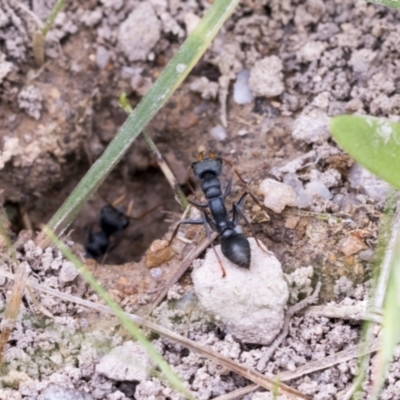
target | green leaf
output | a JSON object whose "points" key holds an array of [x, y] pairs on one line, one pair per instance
{"points": [[372, 142], [387, 3]]}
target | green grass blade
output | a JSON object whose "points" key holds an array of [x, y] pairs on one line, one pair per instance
{"points": [[372, 142], [387, 3], [172, 76], [390, 324], [51, 18], [173, 379]]}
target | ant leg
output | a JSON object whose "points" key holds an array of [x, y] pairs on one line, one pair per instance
{"points": [[198, 205], [185, 221], [228, 188], [128, 214], [208, 221], [237, 210], [253, 196], [234, 169], [119, 200]]}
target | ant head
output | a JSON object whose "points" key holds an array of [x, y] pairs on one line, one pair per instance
{"points": [[210, 164]]}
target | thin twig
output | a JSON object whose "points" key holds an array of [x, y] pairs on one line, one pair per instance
{"points": [[13, 306], [285, 330], [268, 383], [162, 163], [184, 265], [327, 362]]}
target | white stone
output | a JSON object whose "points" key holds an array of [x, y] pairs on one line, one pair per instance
{"points": [[368, 183], [139, 33], [218, 133], [102, 57], [266, 77], [277, 195], [247, 303], [59, 392], [313, 189], [311, 51], [311, 127], [68, 272], [207, 89], [241, 89], [191, 20], [128, 362]]}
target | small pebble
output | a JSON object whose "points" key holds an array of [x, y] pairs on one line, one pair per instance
{"points": [[367, 255], [368, 183], [218, 133], [352, 245], [68, 272], [159, 252], [241, 89], [134, 37], [128, 362], [277, 195], [266, 77], [313, 189], [102, 57], [311, 127], [58, 392]]}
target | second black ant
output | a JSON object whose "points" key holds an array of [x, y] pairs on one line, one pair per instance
{"points": [[112, 223]]}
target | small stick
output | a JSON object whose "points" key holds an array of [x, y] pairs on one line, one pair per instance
{"points": [[314, 366], [285, 330], [169, 175], [184, 265], [269, 383], [13, 306]]}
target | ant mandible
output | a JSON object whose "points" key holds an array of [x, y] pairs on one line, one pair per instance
{"points": [[234, 245]]}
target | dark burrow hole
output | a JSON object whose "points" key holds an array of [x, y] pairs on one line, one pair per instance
{"points": [[128, 388], [145, 189]]}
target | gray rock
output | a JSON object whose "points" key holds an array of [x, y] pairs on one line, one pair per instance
{"points": [[277, 195], [30, 100], [68, 272], [311, 126], [247, 303], [139, 33], [368, 183], [57, 392], [266, 77], [102, 57], [128, 362]]}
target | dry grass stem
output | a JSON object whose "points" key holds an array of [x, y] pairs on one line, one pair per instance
{"points": [[327, 362], [272, 384], [13, 306], [184, 265]]}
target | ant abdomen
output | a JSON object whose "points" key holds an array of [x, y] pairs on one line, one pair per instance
{"points": [[112, 221], [98, 243], [236, 248]]}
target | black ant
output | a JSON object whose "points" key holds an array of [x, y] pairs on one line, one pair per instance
{"points": [[234, 245], [112, 222]]}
